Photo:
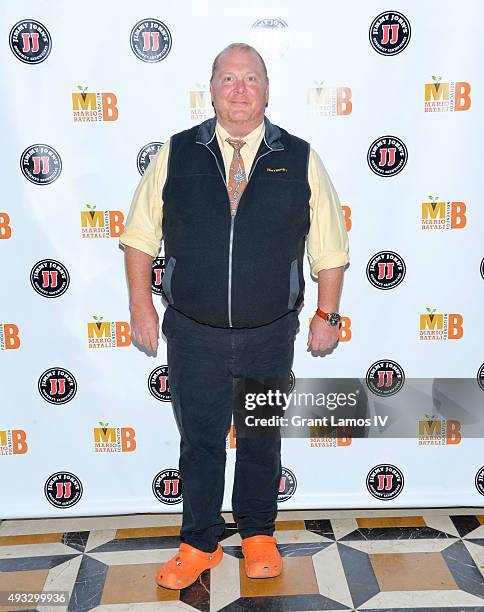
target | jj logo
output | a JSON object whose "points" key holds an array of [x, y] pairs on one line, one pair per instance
{"points": [[384, 482], [387, 37], [387, 156]]}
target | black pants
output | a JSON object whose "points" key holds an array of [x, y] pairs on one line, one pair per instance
{"points": [[203, 362]]}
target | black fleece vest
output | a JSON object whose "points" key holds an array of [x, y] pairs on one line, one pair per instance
{"points": [[244, 271]]}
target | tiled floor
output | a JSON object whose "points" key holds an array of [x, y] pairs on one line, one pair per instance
{"points": [[398, 560]]}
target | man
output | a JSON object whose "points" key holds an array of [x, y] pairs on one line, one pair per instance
{"points": [[234, 199]]}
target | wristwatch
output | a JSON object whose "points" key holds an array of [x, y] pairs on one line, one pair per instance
{"points": [[331, 318]]}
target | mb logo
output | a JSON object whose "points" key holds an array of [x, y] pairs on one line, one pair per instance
{"points": [[114, 439], [443, 215], [347, 216], [101, 223], [447, 97], [9, 336], [94, 106], [200, 103], [441, 326], [330, 101], [5, 229], [107, 334], [438, 432], [13, 442]]}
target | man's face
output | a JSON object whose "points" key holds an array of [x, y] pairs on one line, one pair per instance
{"points": [[239, 88]]}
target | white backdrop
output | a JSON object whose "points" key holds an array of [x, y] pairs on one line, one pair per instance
{"points": [[329, 85]]}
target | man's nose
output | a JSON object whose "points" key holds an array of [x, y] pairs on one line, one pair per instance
{"points": [[240, 85]]}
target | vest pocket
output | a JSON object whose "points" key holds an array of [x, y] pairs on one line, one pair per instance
{"points": [[166, 282], [293, 284]]}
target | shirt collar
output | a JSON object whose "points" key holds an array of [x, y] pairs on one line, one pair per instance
{"points": [[251, 139]]}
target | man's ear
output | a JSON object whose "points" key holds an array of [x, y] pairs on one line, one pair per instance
{"points": [[211, 94]]}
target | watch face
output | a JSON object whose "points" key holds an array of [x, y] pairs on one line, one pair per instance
{"points": [[333, 318]]}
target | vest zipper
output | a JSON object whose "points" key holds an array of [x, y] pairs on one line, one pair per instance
{"points": [[232, 218]]}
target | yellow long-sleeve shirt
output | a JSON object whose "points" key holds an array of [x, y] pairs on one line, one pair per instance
{"points": [[327, 239]]}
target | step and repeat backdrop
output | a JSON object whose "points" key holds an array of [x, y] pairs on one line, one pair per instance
{"points": [[390, 96]]}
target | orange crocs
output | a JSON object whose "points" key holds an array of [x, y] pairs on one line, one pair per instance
{"points": [[186, 566], [262, 559]]}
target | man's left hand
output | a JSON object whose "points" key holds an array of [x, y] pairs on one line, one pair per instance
{"points": [[322, 337]]}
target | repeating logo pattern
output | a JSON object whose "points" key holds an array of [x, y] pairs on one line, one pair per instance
{"points": [[150, 40], [41, 164], [30, 41], [158, 384], [390, 33], [287, 485], [385, 377], [385, 481], [386, 270], [146, 155], [167, 487], [63, 489], [57, 386], [49, 278], [387, 156]]}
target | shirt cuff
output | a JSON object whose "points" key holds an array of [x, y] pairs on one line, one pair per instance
{"points": [[328, 261], [140, 244]]}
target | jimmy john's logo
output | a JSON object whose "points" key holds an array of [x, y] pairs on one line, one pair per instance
{"points": [[347, 217], [441, 326], [270, 37], [438, 215], [479, 480], [435, 431], [157, 272], [480, 377], [385, 481], [167, 487], [287, 485], [63, 489], [390, 33], [91, 106], [158, 384], [57, 386], [329, 101], [107, 334], [5, 228], [49, 278], [200, 103], [385, 377], [442, 97], [114, 439], [146, 155], [9, 336], [30, 41], [40, 164], [101, 223], [13, 442], [385, 270], [150, 40], [387, 156]]}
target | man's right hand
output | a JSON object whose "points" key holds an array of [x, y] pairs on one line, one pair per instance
{"points": [[145, 326]]}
